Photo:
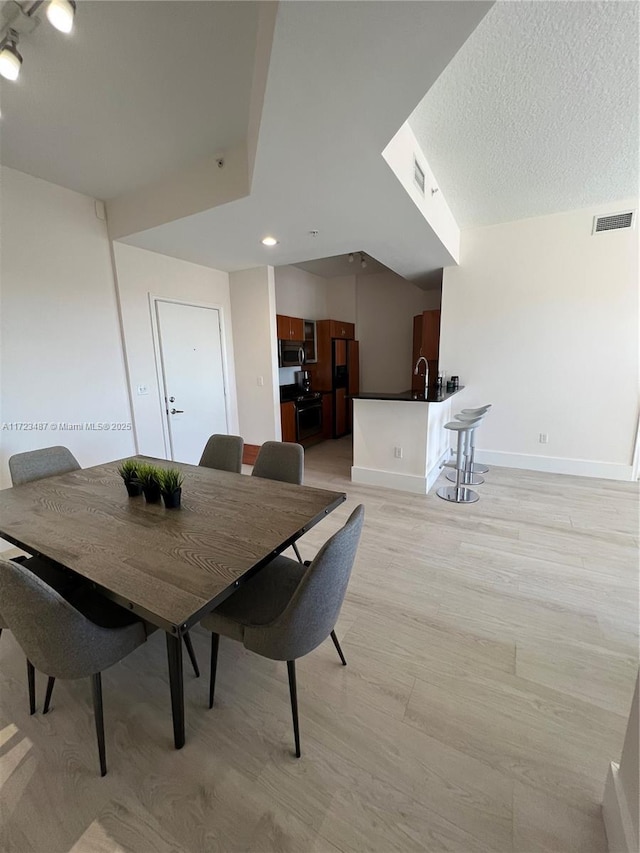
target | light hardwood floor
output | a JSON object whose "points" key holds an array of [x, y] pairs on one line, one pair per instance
{"points": [[492, 653]]}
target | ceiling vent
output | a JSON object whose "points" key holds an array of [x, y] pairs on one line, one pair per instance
{"points": [[613, 222]]}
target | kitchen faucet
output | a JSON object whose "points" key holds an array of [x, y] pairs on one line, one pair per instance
{"points": [[426, 374]]}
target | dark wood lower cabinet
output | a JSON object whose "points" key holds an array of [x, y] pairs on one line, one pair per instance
{"points": [[288, 420]]}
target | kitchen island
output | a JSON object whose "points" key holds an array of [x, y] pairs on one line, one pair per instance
{"points": [[399, 440]]}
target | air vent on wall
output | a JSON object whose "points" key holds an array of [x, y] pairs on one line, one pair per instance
{"points": [[612, 223], [418, 175]]}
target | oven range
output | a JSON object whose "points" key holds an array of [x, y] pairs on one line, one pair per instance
{"points": [[308, 407]]}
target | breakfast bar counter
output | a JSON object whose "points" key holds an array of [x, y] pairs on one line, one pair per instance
{"points": [[399, 440]]}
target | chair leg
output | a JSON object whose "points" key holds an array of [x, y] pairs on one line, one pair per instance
{"points": [[47, 698], [31, 681], [338, 649], [291, 669], [192, 654], [96, 689], [215, 640], [295, 548]]}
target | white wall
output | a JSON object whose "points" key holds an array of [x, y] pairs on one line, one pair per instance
{"points": [[341, 299], [253, 304], [386, 305], [541, 319], [400, 154], [300, 293], [140, 273], [61, 351]]}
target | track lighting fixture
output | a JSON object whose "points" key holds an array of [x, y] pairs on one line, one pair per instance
{"points": [[350, 257], [20, 19], [10, 59], [363, 263], [61, 14]]}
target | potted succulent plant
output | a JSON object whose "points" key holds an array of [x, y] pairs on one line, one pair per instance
{"points": [[128, 470], [149, 478], [171, 481]]}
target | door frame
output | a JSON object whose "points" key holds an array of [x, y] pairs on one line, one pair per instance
{"points": [[157, 353]]}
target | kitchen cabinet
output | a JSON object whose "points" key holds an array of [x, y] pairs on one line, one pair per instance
{"points": [[338, 329], [329, 332], [340, 353], [288, 421], [309, 342], [426, 343], [289, 328]]}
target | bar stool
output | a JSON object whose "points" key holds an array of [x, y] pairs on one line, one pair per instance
{"points": [[460, 493], [474, 466], [470, 477]]}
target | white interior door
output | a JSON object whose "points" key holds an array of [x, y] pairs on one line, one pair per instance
{"points": [[193, 372]]}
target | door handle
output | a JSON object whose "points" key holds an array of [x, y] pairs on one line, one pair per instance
{"points": [[177, 411]]}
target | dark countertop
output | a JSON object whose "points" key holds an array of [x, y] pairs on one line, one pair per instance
{"points": [[409, 396]]}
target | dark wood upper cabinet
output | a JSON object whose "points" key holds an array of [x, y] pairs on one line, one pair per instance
{"points": [[289, 328], [430, 335], [338, 329], [340, 353], [426, 342]]}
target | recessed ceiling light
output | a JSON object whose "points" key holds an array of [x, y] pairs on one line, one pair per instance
{"points": [[269, 241]]}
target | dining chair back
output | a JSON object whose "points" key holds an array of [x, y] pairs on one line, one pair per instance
{"points": [[223, 452], [45, 462], [58, 639], [287, 609], [280, 460], [312, 612]]}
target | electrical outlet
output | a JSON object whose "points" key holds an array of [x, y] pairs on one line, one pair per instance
{"points": [[543, 438], [260, 381], [142, 389], [397, 452]]}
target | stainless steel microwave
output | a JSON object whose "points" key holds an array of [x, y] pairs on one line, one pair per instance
{"points": [[291, 353]]}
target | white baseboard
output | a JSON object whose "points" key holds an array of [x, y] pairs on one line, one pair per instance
{"points": [[555, 465], [394, 480], [389, 480], [621, 834]]}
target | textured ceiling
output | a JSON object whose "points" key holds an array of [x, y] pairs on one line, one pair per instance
{"points": [[537, 113], [136, 92]]}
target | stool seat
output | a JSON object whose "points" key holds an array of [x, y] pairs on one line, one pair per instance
{"points": [[457, 426]]}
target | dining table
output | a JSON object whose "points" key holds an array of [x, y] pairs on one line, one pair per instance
{"points": [[170, 567]]}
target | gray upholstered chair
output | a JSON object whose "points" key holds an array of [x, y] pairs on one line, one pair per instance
{"points": [[45, 462], [287, 609], [25, 468], [223, 452], [59, 640], [284, 461]]}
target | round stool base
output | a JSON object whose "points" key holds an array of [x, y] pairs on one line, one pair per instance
{"points": [[456, 495], [467, 479], [480, 469]]}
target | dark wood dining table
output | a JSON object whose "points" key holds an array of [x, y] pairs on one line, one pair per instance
{"points": [[168, 566]]}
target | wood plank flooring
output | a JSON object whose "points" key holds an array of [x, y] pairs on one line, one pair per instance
{"points": [[492, 654]]}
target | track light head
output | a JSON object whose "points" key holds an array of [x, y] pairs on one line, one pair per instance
{"points": [[350, 257], [10, 59], [61, 14]]}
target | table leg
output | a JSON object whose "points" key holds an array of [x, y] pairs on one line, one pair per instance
{"points": [[174, 659]]}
